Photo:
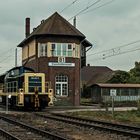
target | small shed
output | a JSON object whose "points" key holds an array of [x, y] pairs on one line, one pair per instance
{"points": [[122, 92]]}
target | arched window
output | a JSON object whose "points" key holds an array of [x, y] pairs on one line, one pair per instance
{"points": [[61, 85]]}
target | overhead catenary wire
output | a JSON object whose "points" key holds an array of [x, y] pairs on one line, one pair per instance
{"points": [[5, 52], [6, 58], [9, 58], [81, 11], [69, 5], [123, 52], [107, 3], [112, 55], [118, 47]]}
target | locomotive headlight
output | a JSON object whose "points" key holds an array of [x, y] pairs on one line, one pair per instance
{"points": [[34, 74], [21, 91], [9, 96]]}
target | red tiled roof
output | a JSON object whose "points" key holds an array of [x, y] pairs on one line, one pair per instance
{"points": [[96, 74]]}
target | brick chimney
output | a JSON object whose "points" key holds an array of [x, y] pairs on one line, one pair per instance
{"points": [[27, 27]]}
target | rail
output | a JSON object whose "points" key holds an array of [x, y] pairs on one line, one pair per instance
{"points": [[33, 129], [126, 130], [8, 135]]}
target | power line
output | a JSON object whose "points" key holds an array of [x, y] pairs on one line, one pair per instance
{"points": [[99, 6], [68, 6], [124, 52], [7, 57], [5, 52], [111, 55], [85, 9], [119, 47]]}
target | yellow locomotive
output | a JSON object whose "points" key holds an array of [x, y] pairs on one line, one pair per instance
{"points": [[26, 89]]}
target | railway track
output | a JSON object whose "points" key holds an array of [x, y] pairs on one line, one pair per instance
{"points": [[6, 135], [125, 130], [15, 130]]}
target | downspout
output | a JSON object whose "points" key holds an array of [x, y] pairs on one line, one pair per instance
{"points": [[89, 48]]}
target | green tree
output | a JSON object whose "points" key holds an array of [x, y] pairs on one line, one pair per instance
{"points": [[135, 73], [120, 77]]}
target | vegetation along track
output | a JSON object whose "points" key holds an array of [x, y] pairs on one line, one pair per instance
{"points": [[121, 129], [16, 130]]}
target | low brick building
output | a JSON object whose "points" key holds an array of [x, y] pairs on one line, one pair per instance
{"points": [[56, 47]]}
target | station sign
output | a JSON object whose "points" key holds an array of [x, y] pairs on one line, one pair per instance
{"points": [[56, 64], [113, 92]]}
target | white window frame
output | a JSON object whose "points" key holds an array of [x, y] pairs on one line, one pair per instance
{"points": [[76, 50], [55, 53], [61, 83], [42, 46]]}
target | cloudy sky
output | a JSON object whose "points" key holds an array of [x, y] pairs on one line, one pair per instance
{"points": [[112, 26]]}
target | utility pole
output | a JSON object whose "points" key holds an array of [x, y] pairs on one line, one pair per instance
{"points": [[74, 22], [7, 103], [113, 93], [113, 107], [16, 57]]}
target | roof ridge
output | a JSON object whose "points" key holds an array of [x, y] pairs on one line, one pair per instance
{"points": [[71, 26]]}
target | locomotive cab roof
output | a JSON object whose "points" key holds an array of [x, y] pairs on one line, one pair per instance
{"points": [[2, 76], [17, 71]]}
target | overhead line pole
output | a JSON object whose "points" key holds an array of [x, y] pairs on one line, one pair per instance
{"points": [[16, 57]]}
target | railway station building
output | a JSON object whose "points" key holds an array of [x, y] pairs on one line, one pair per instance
{"points": [[58, 49]]}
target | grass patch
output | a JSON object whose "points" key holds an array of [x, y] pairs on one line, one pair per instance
{"points": [[86, 100], [132, 117]]}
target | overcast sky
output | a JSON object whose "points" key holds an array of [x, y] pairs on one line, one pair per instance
{"points": [[107, 27]]}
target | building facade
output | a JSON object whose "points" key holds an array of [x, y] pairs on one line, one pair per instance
{"points": [[55, 48]]}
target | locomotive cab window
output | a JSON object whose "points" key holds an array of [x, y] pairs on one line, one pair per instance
{"points": [[35, 82]]}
